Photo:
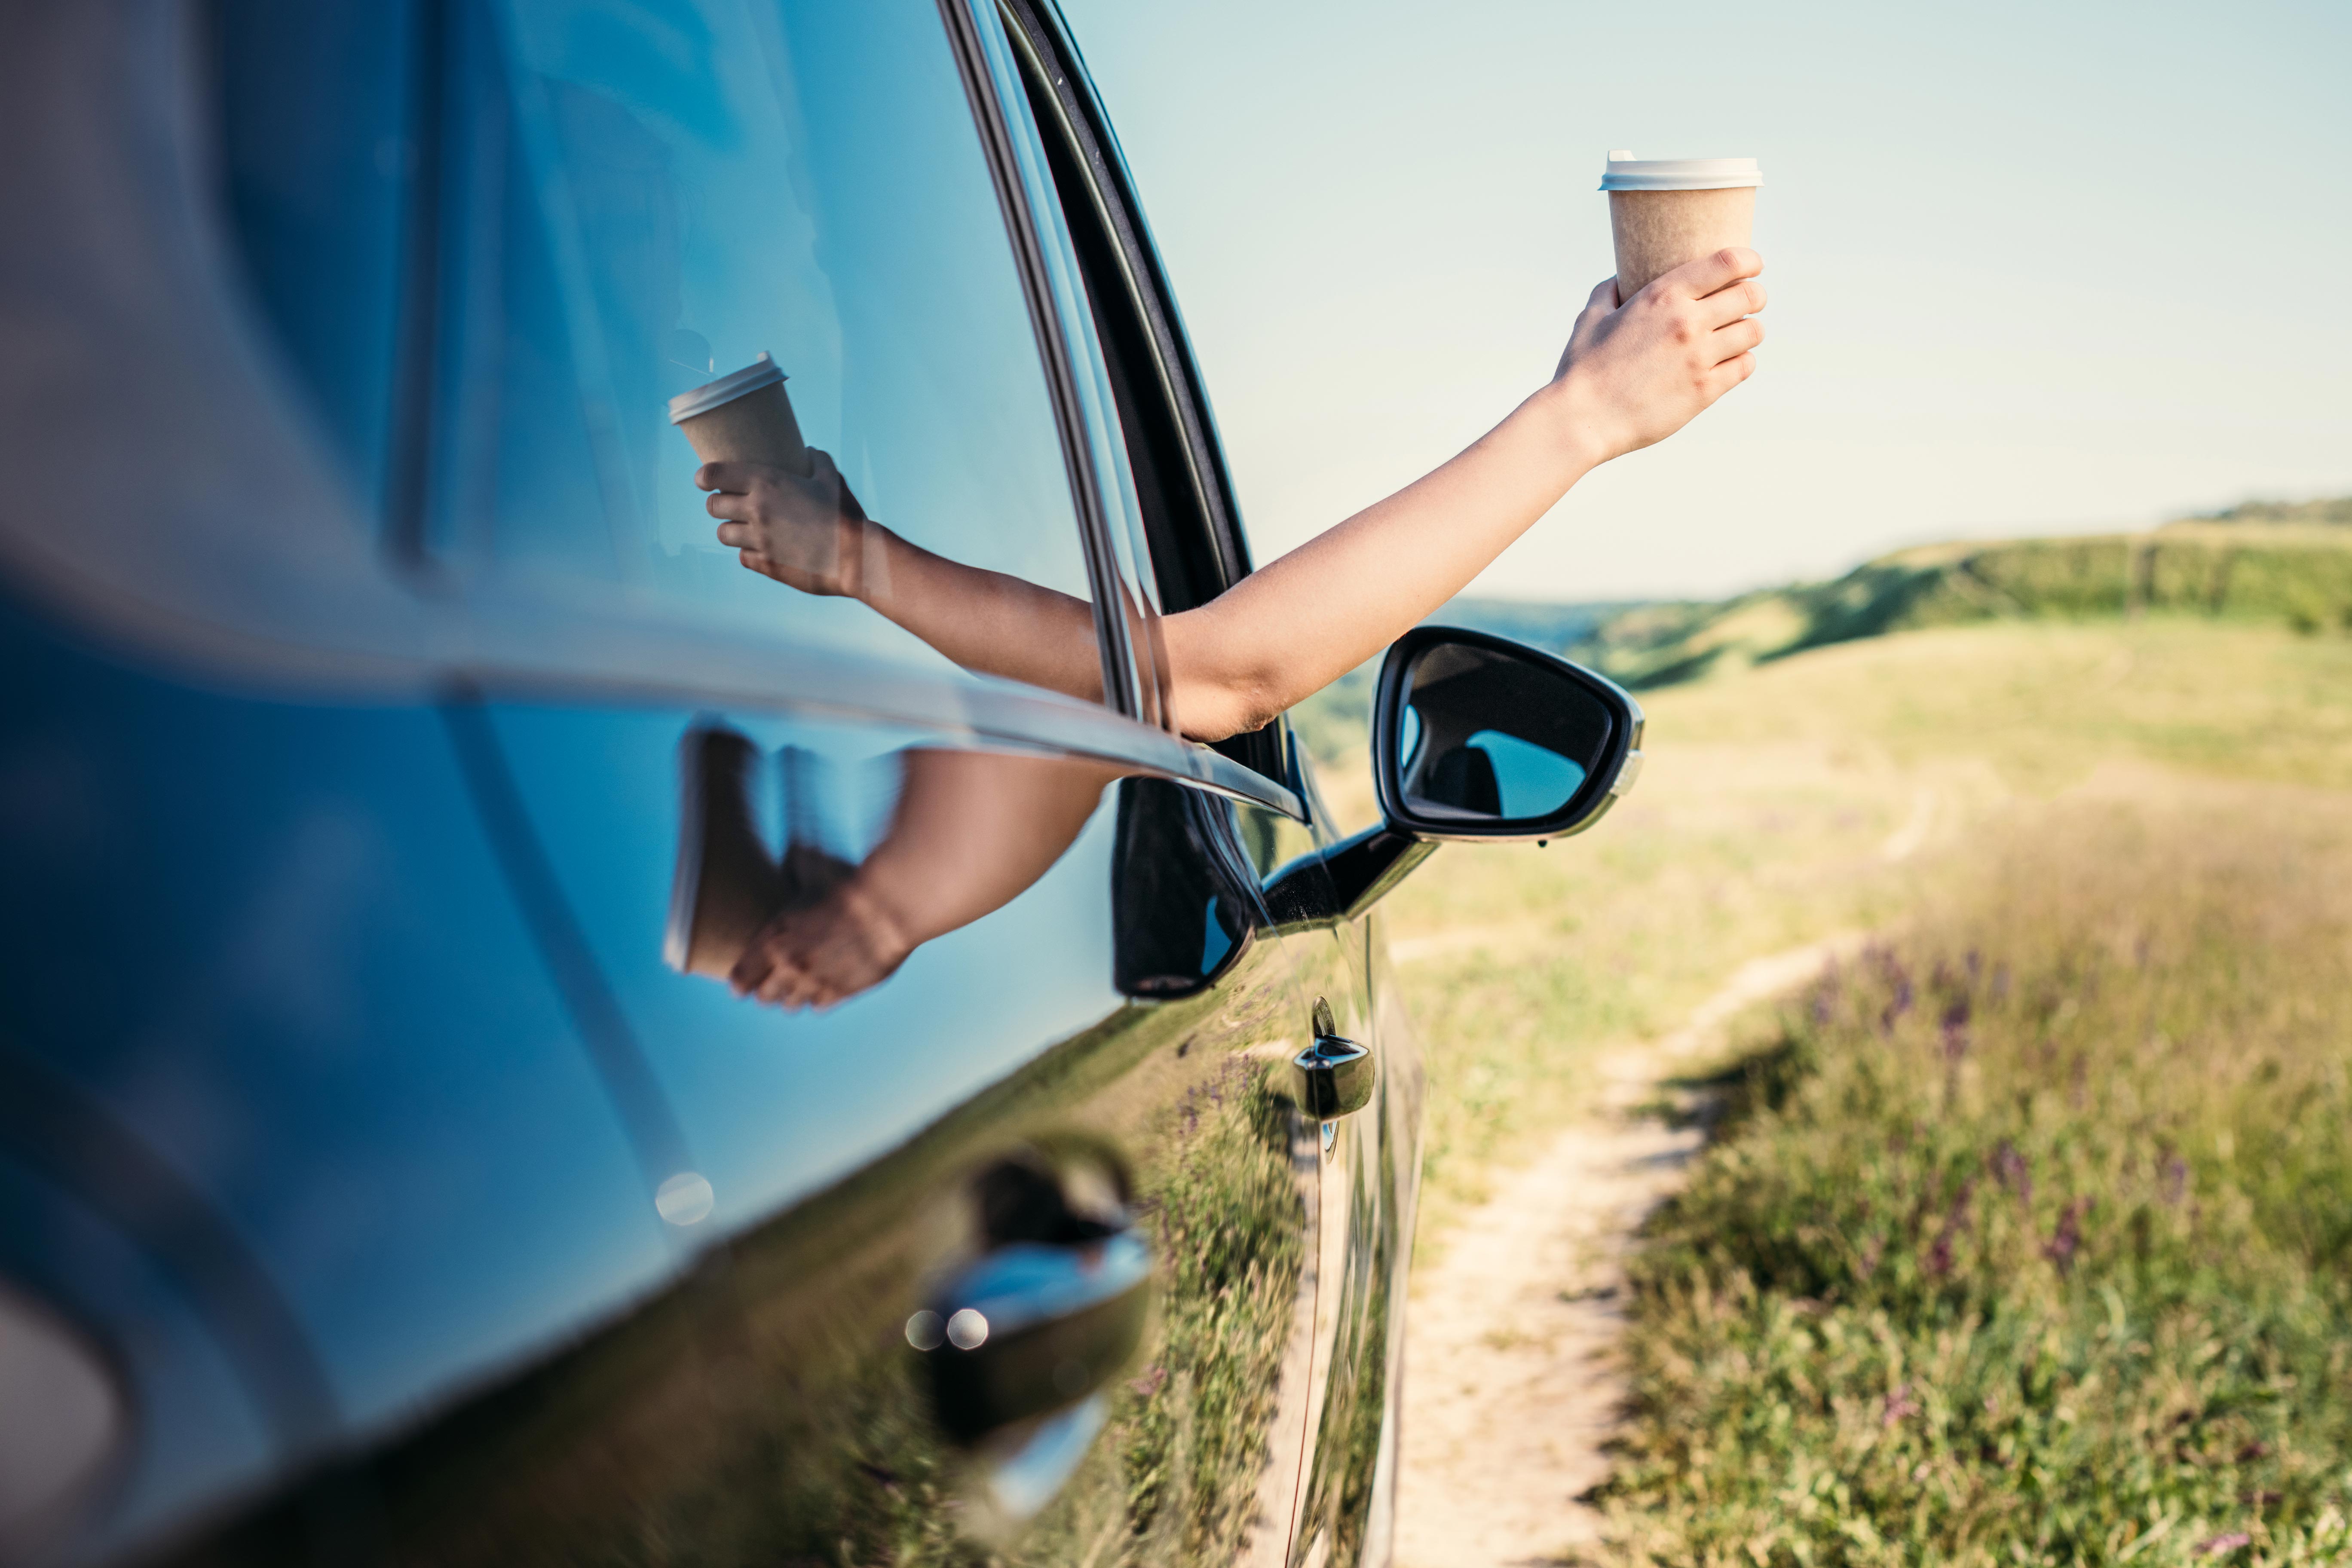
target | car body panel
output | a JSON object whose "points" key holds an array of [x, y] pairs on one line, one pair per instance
{"points": [[423, 1202]]}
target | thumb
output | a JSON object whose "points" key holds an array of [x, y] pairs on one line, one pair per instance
{"points": [[823, 472], [1597, 309]]}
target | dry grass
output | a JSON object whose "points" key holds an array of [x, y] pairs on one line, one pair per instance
{"points": [[2141, 831], [2032, 1238]]}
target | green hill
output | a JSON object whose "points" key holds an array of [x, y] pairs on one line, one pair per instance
{"points": [[2263, 564]]}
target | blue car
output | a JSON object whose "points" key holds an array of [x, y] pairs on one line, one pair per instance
{"points": [[524, 1041]]}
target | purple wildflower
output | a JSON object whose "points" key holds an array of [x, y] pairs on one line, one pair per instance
{"points": [[2214, 1545], [2067, 1239], [2173, 1181], [1956, 1220], [2013, 1171], [1897, 1006]]}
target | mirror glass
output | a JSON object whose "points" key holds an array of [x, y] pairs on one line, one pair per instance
{"points": [[1485, 736]]}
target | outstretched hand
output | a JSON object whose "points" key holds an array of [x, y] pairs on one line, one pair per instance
{"points": [[849, 940], [1635, 371], [807, 532]]}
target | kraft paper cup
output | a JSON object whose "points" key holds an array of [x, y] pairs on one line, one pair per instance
{"points": [[743, 417], [1666, 211]]}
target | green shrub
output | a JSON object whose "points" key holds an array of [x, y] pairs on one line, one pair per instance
{"points": [[2028, 1240]]}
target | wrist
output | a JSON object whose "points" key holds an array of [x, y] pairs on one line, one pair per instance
{"points": [[883, 915], [866, 563], [1574, 425]]}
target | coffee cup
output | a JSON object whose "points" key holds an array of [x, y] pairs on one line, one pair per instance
{"points": [[744, 416], [1666, 211]]}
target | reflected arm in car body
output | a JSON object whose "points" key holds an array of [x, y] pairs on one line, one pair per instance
{"points": [[972, 831], [1632, 375]]}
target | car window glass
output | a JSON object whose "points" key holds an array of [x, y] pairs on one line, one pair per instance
{"points": [[643, 201]]}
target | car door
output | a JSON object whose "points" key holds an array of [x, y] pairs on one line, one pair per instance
{"points": [[1188, 546], [1065, 1097]]}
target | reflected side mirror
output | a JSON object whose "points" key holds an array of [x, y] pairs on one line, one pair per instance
{"points": [[1477, 738]]}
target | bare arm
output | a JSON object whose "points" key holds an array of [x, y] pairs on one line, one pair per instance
{"points": [[973, 830], [1631, 376]]}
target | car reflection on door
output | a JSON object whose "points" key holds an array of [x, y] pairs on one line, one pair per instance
{"points": [[1127, 1012]]}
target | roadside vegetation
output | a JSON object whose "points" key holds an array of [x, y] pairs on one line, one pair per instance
{"points": [[2027, 1236], [2030, 1236]]}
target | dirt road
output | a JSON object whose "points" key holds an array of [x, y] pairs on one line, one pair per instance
{"points": [[1512, 1385]]}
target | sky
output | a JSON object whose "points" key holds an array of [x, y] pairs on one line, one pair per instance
{"points": [[2033, 269]]}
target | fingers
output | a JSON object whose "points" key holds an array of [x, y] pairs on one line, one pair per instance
{"points": [[735, 504], [788, 985], [1710, 274], [1603, 297], [735, 478], [1729, 375], [768, 973], [1727, 342], [1743, 297]]}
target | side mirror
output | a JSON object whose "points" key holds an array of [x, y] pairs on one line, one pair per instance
{"points": [[1477, 737]]}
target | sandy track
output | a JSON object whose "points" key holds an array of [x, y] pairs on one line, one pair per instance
{"points": [[1511, 1385]]}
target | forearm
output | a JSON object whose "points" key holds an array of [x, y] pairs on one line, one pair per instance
{"points": [[973, 830], [1297, 623], [984, 620]]}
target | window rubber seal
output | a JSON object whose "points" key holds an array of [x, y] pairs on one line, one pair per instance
{"points": [[967, 41]]}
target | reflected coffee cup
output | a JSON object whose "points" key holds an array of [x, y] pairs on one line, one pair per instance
{"points": [[1666, 211], [744, 416]]}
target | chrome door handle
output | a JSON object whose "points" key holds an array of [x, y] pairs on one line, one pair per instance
{"points": [[1334, 1077], [1031, 1328]]}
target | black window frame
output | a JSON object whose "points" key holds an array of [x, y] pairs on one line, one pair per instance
{"points": [[1185, 493]]}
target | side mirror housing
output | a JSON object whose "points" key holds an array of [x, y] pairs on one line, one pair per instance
{"points": [[1477, 739]]}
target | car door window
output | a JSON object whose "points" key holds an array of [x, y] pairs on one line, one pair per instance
{"points": [[603, 205], [1191, 545], [647, 198]]}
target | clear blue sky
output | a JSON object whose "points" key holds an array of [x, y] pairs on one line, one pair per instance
{"points": [[2033, 268]]}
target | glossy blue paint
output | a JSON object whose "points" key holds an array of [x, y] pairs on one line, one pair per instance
{"points": [[774, 1104], [271, 942]]}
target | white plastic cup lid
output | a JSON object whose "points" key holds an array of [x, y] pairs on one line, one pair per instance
{"points": [[759, 373], [1627, 172]]}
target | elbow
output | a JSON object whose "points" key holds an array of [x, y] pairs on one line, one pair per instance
{"points": [[1214, 710]]}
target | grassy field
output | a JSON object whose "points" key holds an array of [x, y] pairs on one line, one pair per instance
{"points": [[2028, 1240]]}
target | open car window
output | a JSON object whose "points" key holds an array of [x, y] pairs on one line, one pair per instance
{"points": [[1193, 547]]}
